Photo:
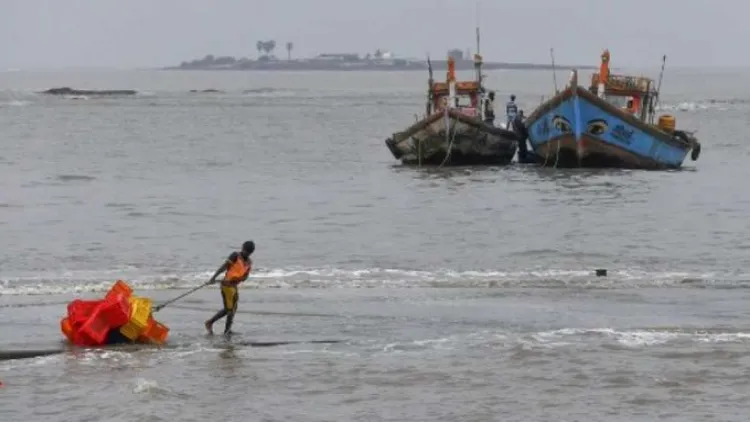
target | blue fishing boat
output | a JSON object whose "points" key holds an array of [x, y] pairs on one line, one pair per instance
{"points": [[607, 125]]}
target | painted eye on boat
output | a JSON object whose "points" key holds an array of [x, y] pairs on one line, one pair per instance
{"points": [[597, 127], [561, 123]]}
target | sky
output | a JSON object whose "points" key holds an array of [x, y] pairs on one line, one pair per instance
{"points": [[154, 33]]}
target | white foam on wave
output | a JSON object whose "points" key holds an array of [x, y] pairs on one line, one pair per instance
{"points": [[687, 106], [442, 343], [37, 361], [331, 277], [143, 385], [102, 355], [640, 337], [563, 338], [706, 105], [14, 103]]}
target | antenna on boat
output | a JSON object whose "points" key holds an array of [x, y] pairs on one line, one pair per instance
{"points": [[476, 24], [479, 52], [658, 87], [478, 65], [554, 73], [429, 86]]}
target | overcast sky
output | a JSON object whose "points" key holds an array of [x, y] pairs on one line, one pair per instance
{"points": [[144, 33]]}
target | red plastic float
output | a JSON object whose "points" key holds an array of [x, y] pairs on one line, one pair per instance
{"points": [[118, 318]]}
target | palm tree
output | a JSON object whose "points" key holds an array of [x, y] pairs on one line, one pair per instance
{"points": [[259, 46], [289, 47]]}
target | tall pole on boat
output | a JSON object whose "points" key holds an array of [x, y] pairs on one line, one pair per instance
{"points": [[554, 72], [478, 67], [603, 74], [451, 79], [430, 81], [658, 87], [476, 24], [478, 55]]}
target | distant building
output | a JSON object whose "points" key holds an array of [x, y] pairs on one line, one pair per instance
{"points": [[382, 55], [456, 54]]}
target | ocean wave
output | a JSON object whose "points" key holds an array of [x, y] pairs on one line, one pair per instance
{"points": [[706, 104], [640, 337], [673, 343], [98, 281], [524, 344]]}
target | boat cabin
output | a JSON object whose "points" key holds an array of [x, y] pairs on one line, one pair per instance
{"points": [[466, 100], [468, 96], [632, 94]]}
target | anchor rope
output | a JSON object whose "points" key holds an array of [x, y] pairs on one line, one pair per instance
{"points": [[448, 135]]}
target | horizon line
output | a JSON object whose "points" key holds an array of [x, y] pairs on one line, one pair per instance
{"points": [[37, 68]]}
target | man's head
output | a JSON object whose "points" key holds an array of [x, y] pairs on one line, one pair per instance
{"points": [[491, 95], [512, 97], [248, 248]]}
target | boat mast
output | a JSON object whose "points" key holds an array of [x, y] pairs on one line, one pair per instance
{"points": [[554, 72], [478, 59], [658, 90], [430, 81], [451, 80], [478, 67]]}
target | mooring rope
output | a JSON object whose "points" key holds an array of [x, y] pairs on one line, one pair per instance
{"points": [[452, 138]]}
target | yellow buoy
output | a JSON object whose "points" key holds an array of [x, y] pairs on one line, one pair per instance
{"points": [[667, 122]]}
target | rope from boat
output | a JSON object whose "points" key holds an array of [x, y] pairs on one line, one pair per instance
{"points": [[452, 138], [557, 156], [419, 152]]}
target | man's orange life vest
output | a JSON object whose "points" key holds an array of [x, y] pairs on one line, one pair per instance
{"points": [[238, 269]]}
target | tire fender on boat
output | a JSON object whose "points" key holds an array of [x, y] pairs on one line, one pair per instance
{"points": [[696, 151], [694, 144]]}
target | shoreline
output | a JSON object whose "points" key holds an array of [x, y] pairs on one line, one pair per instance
{"points": [[368, 68], [348, 63]]}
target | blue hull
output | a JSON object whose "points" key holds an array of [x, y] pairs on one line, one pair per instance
{"points": [[578, 129]]}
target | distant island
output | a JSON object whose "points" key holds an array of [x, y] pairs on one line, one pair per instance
{"points": [[379, 60]]}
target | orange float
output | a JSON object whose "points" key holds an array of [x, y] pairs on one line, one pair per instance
{"points": [[120, 317]]}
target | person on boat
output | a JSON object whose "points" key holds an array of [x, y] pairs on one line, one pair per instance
{"points": [[237, 267], [489, 108], [519, 127], [511, 109], [518, 122], [630, 105]]}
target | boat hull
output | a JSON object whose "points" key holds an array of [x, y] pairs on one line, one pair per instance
{"points": [[455, 139], [576, 128]]}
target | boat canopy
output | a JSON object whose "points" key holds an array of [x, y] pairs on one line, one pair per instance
{"points": [[631, 93]]}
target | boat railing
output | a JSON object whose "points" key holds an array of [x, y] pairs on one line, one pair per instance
{"points": [[625, 83], [462, 87], [469, 111]]}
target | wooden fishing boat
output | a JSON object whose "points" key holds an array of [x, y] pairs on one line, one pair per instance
{"points": [[610, 124], [454, 130]]}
